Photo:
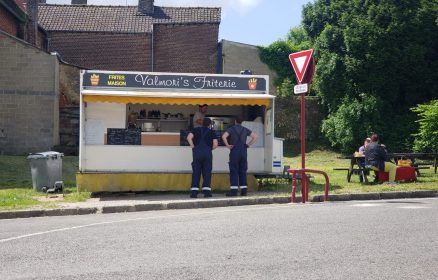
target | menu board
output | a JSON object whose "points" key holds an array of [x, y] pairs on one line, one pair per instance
{"points": [[122, 136]]}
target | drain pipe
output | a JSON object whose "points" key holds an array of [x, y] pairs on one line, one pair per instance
{"points": [[152, 47]]}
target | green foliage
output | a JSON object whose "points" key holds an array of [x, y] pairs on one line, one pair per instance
{"points": [[297, 36], [285, 88], [426, 140], [354, 120], [385, 49], [276, 56]]}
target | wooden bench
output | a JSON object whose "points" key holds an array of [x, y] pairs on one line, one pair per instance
{"points": [[361, 171]]}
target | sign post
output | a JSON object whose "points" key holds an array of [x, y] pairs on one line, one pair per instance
{"points": [[304, 67], [300, 62]]}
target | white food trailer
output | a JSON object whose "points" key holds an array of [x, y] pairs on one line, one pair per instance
{"points": [[133, 128]]}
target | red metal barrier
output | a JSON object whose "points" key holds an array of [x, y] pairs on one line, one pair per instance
{"points": [[305, 183], [304, 74]]}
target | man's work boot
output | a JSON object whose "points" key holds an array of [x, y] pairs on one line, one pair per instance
{"points": [[207, 194], [194, 194], [244, 192], [232, 192]]}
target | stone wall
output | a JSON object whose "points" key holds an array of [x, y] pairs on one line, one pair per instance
{"points": [[69, 80], [237, 57], [287, 117], [69, 83], [69, 129], [29, 115]]}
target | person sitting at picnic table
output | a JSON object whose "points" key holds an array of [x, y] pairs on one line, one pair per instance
{"points": [[365, 143], [376, 159]]}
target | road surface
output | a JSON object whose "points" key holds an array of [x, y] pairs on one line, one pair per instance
{"points": [[393, 239]]}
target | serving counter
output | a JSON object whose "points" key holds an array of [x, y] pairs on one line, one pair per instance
{"points": [[157, 138]]}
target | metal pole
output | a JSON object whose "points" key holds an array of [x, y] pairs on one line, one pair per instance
{"points": [[303, 149], [303, 132]]}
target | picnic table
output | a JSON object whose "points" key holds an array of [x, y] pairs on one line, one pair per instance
{"points": [[357, 166], [357, 163]]}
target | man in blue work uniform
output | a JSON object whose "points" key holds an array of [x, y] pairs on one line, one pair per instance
{"points": [[203, 141], [235, 140]]}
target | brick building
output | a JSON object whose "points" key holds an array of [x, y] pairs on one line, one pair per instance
{"points": [[19, 18], [39, 90], [137, 38]]}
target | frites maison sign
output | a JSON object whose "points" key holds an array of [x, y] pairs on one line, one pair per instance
{"points": [[131, 80]]}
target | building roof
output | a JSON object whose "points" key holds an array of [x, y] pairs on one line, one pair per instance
{"points": [[120, 19], [15, 9]]}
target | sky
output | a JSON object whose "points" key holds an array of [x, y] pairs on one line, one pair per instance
{"points": [[254, 22]]}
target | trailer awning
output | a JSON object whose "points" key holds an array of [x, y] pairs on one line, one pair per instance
{"points": [[178, 98]]}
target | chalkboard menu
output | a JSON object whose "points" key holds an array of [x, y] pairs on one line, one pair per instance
{"points": [[183, 137], [121, 136]]}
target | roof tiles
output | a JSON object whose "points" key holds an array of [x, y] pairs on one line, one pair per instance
{"points": [[120, 19]]}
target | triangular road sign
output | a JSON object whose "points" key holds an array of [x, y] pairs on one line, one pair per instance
{"points": [[300, 62]]}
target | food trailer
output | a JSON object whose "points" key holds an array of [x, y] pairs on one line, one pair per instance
{"points": [[133, 128]]}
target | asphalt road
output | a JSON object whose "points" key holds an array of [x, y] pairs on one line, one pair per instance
{"points": [[393, 239]]}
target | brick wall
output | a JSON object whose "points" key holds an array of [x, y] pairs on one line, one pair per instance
{"points": [[8, 23], [103, 51], [41, 40], [29, 115], [185, 48], [287, 117]]}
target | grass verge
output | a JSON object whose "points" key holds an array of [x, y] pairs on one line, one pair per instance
{"points": [[16, 184], [325, 160], [16, 181]]}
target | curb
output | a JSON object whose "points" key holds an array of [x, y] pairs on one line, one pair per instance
{"points": [[239, 201]]}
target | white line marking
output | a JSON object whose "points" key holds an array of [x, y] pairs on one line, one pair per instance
{"points": [[366, 205], [139, 219], [414, 207]]}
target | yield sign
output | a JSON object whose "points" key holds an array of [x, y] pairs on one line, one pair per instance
{"points": [[300, 62]]}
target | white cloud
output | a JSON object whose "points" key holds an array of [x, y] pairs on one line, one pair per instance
{"points": [[248, 3]]}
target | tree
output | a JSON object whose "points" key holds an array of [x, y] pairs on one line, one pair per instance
{"points": [[356, 116], [297, 36], [384, 49], [426, 140]]}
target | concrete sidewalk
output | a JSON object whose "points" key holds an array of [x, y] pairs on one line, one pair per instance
{"points": [[131, 202]]}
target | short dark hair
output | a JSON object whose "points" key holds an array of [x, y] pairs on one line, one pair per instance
{"points": [[206, 122], [238, 119], [203, 105]]}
